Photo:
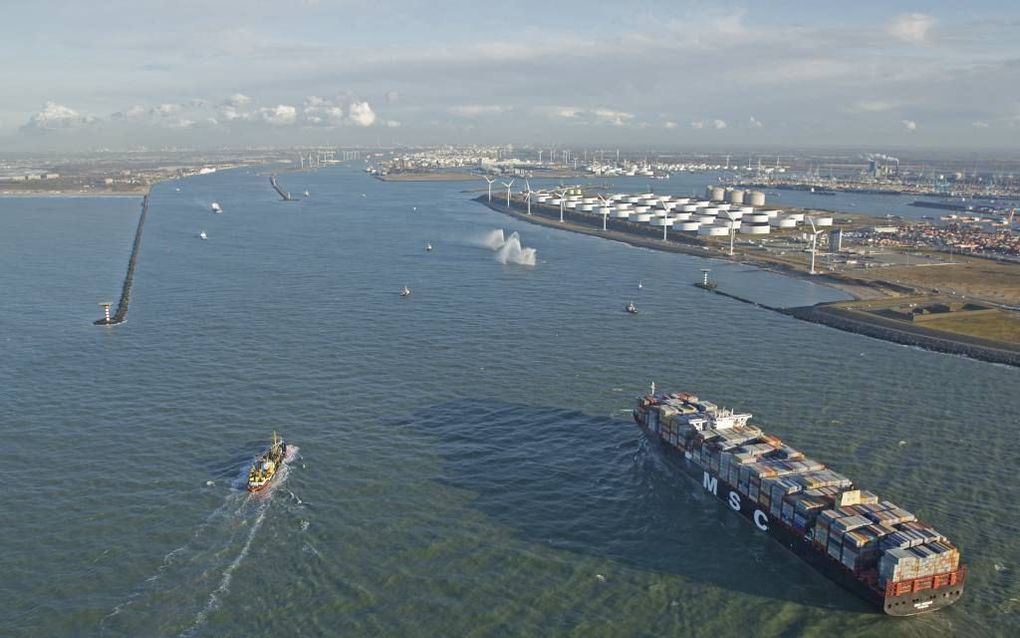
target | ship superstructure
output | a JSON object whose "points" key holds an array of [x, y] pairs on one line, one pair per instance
{"points": [[870, 546]]}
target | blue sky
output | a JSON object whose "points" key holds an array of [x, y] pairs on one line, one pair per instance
{"points": [[237, 72]]}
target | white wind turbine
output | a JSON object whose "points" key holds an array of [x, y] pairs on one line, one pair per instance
{"points": [[527, 194], [563, 195], [490, 181], [605, 210], [733, 230], [508, 185], [540, 156], [814, 243]]}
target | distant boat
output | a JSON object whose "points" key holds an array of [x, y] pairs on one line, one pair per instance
{"points": [[631, 308], [178, 189], [428, 247], [307, 194], [216, 208], [202, 235], [639, 285], [406, 292]]}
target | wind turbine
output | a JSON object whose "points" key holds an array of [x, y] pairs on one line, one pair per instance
{"points": [[733, 231], [605, 210], [527, 194], [814, 242], [540, 156], [508, 185], [562, 195], [490, 181]]}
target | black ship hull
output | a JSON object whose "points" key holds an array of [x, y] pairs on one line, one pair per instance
{"points": [[798, 543]]}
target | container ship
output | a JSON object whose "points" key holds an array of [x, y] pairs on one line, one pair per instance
{"points": [[869, 546]]}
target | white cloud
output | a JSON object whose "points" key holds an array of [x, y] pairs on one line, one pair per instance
{"points": [[56, 116], [703, 124], [392, 124], [279, 115], [911, 27], [476, 110], [871, 106], [583, 115], [362, 114], [165, 110], [909, 125], [237, 100], [670, 125], [755, 122], [979, 124]]}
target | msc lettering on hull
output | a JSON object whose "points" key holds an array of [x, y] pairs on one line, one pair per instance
{"points": [[711, 484]]}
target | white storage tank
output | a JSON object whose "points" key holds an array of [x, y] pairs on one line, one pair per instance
{"points": [[591, 200], [587, 207], [702, 203], [689, 208], [556, 202], [724, 206], [755, 198], [712, 230], [620, 213], [633, 199], [773, 213], [662, 221], [680, 201], [682, 216], [736, 196], [604, 210], [572, 204], [797, 217], [704, 219], [718, 194], [640, 217], [688, 226], [746, 210], [783, 222], [755, 229], [543, 199], [756, 218], [641, 209], [823, 221]]}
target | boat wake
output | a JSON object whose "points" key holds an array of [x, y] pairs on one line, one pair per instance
{"points": [[509, 250], [170, 601]]}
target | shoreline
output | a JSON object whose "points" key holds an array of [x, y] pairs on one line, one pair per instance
{"points": [[76, 195], [826, 313], [856, 291]]}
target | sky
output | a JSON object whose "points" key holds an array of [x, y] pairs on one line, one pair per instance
{"points": [[121, 74]]}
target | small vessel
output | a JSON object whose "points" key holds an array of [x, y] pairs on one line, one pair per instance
{"points": [[266, 466], [405, 292], [307, 194], [639, 285], [202, 235], [428, 246], [631, 308], [216, 207]]}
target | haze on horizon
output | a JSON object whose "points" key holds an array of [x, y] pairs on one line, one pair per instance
{"points": [[254, 72]]}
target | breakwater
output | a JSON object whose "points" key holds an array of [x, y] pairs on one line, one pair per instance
{"points": [[125, 293], [961, 345], [276, 186]]}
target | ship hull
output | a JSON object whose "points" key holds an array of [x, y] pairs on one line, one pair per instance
{"points": [[761, 518]]}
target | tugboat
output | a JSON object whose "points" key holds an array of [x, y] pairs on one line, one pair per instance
{"points": [[202, 235], [265, 467], [405, 292], [428, 247], [216, 208], [631, 308]]}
